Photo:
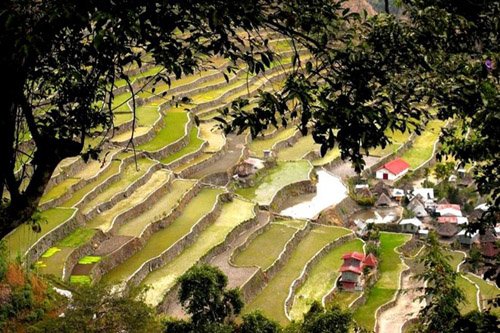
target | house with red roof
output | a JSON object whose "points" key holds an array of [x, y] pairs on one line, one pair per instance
{"points": [[352, 270], [448, 210], [393, 170]]}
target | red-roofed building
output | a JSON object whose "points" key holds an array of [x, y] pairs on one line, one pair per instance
{"points": [[352, 270], [393, 170], [452, 219], [448, 210]]}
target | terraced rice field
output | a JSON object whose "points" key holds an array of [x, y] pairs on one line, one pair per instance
{"points": [[265, 249], [105, 220], [163, 279], [487, 291], [390, 267], [160, 241], [423, 147], [173, 215], [272, 298], [129, 175], [173, 129], [258, 145], [22, 238], [321, 279], [268, 186]]}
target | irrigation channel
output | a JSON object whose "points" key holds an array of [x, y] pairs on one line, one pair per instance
{"points": [[146, 218]]}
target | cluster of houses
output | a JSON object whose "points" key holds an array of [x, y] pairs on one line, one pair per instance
{"points": [[446, 219]]}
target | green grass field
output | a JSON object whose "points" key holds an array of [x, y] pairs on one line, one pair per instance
{"points": [[272, 298], [383, 290], [321, 278], [160, 241]]}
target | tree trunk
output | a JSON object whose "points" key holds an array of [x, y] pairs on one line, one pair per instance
{"points": [[387, 7], [45, 160]]}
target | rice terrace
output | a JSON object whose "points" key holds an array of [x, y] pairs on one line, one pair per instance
{"points": [[289, 224]]}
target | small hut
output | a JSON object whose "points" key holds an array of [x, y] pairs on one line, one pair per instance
{"points": [[381, 188], [384, 201]]}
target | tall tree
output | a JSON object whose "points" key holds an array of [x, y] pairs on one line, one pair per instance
{"points": [[441, 293], [61, 60], [202, 293]]}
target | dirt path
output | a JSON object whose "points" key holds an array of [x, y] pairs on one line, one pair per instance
{"points": [[406, 307]]}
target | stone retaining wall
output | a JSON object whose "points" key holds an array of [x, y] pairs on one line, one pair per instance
{"points": [[204, 164], [141, 207], [297, 283], [288, 142], [56, 234], [341, 211], [174, 250], [217, 101], [81, 251], [174, 146], [75, 187], [216, 250], [188, 157], [294, 189], [136, 244], [66, 172], [259, 280], [101, 187], [193, 87], [124, 194], [392, 302], [146, 137]]}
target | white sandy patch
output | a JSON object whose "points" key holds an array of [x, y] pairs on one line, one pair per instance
{"points": [[330, 191]]}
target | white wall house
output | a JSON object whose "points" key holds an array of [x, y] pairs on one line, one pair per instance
{"points": [[393, 170], [467, 238], [410, 225]]}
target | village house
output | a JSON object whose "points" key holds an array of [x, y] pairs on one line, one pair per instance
{"points": [[452, 219], [384, 201], [353, 269], [410, 225], [381, 188], [447, 230], [467, 238], [423, 233], [417, 207], [398, 194], [249, 167], [362, 228], [393, 170], [448, 210], [426, 196]]}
